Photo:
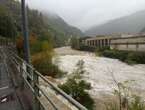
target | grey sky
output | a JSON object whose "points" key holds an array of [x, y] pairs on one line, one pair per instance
{"points": [[87, 13]]}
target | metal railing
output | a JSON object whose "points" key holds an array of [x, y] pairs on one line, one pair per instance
{"points": [[45, 93]]}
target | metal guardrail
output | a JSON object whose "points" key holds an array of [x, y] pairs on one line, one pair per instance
{"points": [[29, 72], [5, 41]]}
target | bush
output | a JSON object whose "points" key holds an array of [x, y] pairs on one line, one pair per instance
{"points": [[77, 91], [75, 44], [102, 49], [125, 56], [121, 55], [87, 48], [76, 87], [137, 104], [99, 51], [46, 67], [136, 57], [42, 62]]}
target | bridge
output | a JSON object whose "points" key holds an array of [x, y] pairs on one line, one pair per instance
{"points": [[22, 87]]}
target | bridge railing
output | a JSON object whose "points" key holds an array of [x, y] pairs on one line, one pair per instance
{"points": [[45, 93], [6, 41]]}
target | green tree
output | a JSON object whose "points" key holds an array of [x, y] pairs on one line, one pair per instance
{"points": [[75, 44], [7, 23], [76, 87]]}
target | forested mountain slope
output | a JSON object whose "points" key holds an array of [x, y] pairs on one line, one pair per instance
{"points": [[40, 24]]}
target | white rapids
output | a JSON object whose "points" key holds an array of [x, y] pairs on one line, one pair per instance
{"points": [[99, 70]]}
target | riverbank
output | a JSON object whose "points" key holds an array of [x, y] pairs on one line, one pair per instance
{"points": [[68, 51]]}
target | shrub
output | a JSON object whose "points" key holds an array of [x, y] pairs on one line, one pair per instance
{"points": [[121, 55], [43, 63], [99, 51], [102, 49], [136, 57], [136, 104], [125, 56], [50, 70], [77, 91], [76, 87], [87, 48]]}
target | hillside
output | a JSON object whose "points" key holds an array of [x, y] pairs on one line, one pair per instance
{"points": [[41, 23], [60, 29], [133, 23], [57, 23]]}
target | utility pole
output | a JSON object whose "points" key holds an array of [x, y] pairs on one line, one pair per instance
{"points": [[36, 104], [25, 31]]}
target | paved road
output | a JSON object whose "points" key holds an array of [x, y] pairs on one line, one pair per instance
{"points": [[8, 97]]}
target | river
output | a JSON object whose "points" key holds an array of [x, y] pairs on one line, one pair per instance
{"points": [[100, 70]]}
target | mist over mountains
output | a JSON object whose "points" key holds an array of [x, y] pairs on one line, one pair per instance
{"points": [[61, 31], [58, 23], [133, 23], [40, 23]]}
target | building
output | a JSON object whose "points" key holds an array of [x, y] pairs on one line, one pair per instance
{"points": [[98, 41], [130, 43]]}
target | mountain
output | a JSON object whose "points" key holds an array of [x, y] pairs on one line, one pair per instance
{"points": [[41, 23], [57, 23], [133, 23], [60, 28]]}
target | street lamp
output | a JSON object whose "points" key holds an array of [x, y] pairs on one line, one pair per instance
{"points": [[25, 31]]}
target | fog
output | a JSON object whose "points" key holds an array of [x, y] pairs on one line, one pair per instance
{"points": [[87, 13]]}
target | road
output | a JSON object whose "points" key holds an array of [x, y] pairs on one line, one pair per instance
{"points": [[8, 97]]}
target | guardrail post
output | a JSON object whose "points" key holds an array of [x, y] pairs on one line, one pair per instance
{"points": [[36, 103], [20, 68], [0, 42]]}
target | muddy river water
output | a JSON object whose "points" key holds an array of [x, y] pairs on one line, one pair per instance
{"points": [[99, 70]]}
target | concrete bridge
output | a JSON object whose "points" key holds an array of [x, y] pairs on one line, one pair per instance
{"points": [[100, 41], [118, 42]]}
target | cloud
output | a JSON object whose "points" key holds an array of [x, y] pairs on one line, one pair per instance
{"points": [[87, 13]]}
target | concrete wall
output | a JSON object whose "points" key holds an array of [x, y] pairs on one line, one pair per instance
{"points": [[130, 43]]}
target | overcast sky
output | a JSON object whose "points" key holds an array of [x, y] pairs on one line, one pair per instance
{"points": [[87, 13]]}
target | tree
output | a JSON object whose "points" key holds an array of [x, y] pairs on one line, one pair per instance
{"points": [[75, 44], [7, 23], [76, 87]]}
